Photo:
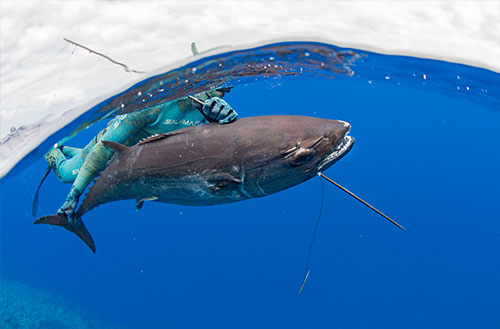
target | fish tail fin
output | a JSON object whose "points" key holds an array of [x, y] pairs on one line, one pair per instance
{"points": [[76, 227]]}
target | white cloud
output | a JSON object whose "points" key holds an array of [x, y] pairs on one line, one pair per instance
{"points": [[35, 62]]}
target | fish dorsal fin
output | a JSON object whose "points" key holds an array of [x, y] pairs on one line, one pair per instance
{"points": [[140, 203], [152, 138], [159, 136], [114, 146]]}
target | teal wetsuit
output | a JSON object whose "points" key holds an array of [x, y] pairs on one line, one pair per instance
{"points": [[83, 165]]}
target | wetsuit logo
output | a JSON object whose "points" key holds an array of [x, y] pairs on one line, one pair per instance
{"points": [[183, 122], [118, 120]]}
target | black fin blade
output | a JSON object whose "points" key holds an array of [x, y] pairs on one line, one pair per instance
{"points": [[77, 227], [114, 146], [34, 204]]}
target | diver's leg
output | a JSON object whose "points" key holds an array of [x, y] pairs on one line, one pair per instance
{"points": [[122, 129], [70, 151], [67, 169]]}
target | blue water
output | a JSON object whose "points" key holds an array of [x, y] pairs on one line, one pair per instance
{"points": [[427, 153]]}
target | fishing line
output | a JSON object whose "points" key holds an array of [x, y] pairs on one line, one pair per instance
{"points": [[34, 205], [104, 56], [306, 270], [320, 174], [31, 192], [61, 78]]}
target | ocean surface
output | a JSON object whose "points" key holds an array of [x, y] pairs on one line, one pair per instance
{"points": [[427, 153]]}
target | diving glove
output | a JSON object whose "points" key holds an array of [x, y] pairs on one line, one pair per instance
{"points": [[217, 109]]}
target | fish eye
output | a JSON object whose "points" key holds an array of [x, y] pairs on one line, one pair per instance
{"points": [[301, 156]]}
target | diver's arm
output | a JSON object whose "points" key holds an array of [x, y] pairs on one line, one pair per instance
{"points": [[124, 127], [119, 130]]}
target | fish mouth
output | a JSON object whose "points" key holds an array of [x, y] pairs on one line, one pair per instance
{"points": [[337, 153]]}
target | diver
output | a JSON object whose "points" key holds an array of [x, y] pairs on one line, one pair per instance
{"points": [[81, 166]]}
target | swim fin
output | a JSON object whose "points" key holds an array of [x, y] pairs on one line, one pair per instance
{"points": [[34, 204]]}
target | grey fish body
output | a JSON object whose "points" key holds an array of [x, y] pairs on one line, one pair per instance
{"points": [[214, 164]]}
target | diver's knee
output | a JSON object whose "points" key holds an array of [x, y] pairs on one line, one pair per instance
{"points": [[54, 159], [70, 151], [58, 162]]}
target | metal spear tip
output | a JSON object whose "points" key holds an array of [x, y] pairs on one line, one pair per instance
{"points": [[362, 201]]}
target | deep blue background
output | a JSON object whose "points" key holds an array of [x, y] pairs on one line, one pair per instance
{"points": [[429, 160]]}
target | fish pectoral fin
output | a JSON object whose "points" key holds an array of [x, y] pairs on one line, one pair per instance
{"points": [[223, 181], [140, 203]]}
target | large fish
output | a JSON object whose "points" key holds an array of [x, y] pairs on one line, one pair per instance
{"points": [[213, 164]]}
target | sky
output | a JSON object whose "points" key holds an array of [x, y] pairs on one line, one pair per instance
{"points": [[42, 76]]}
